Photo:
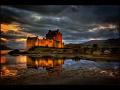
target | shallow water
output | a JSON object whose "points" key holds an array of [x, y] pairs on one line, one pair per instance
{"points": [[37, 70]]}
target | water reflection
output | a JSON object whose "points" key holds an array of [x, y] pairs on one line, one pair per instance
{"points": [[3, 59], [51, 65], [10, 65], [13, 66], [5, 71]]}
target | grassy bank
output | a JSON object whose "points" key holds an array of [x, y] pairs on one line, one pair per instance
{"points": [[67, 53]]}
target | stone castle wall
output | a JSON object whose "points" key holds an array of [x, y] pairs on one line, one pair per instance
{"points": [[56, 41]]}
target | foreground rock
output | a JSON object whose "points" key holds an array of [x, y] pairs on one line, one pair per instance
{"points": [[67, 77]]}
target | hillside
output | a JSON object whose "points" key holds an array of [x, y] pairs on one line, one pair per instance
{"points": [[109, 42]]}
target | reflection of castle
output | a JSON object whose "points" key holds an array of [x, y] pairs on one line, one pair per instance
{"points": [[10, 67], [53, 39], [53, 67]]}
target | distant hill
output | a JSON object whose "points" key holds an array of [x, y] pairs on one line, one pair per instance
{"points": [[109, 42], [4, 47], [72, 45]]}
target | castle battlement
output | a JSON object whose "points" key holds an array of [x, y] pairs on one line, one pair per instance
{"points": [[52, 39]]}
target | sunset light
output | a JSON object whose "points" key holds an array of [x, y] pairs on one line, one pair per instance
{"points": [[4, 39], [12, 27], [103, 27], [60, 45]]}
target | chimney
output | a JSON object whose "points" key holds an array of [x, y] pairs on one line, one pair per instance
{"points": [[49, 30], [57, 30]]}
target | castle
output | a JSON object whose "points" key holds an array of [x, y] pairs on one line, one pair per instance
{"points": [[52, 39]]}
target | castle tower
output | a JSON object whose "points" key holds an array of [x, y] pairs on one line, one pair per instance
{"points": [[56, 36]]}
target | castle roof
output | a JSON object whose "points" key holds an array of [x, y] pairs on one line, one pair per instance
{"points": [[51, 34], [32, 38]]}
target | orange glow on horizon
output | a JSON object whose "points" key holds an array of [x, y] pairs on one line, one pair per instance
{"points": [[21, 40], [104, 26], [14, 27], [7, 27], [96, 38], [4, 39]]}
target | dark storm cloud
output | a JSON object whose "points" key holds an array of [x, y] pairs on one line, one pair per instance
{"points": [[43, 9], [74, 21]]}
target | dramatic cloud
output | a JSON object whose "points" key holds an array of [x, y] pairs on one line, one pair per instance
{"points": [[103, 27], [77, 23]]}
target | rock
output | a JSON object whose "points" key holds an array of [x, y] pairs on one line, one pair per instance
{"points": [[14, 52]]}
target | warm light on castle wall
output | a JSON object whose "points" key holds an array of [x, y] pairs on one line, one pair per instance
{"points": [[55, 41]]}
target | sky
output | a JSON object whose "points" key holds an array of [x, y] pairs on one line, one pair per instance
{"points": [[77, 23]]}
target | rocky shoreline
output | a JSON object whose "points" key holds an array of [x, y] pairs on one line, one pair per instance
{"points": [[76, 56], [67, 55]]}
